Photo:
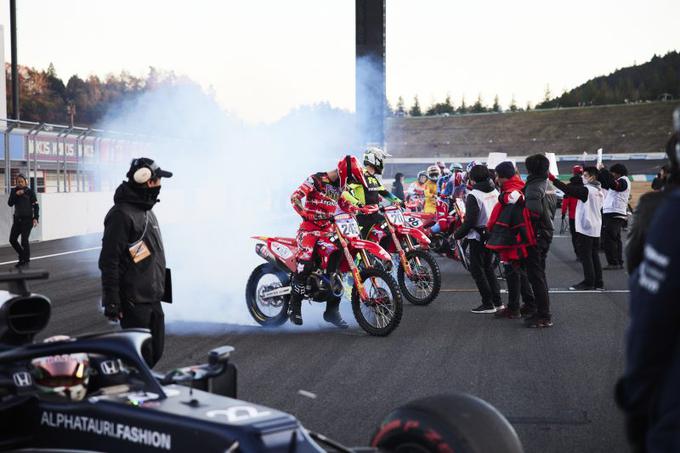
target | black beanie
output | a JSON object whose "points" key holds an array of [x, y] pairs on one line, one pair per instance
{"points": [[505, 170]]}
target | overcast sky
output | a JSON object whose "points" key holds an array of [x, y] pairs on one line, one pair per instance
{"points": [[265, 57]]}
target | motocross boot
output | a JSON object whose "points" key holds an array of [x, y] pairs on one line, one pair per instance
{"points": [[295, 305], [332, 313]]}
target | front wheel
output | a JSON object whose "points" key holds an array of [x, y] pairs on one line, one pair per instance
{"points": [[425, 282], [266, 310], [381, 313]]}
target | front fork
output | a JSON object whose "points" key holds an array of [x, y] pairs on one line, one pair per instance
{"points": [[400, 250], [355, 270]]}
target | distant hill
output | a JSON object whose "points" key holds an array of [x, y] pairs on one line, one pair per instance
{"points": [[651, 81]]}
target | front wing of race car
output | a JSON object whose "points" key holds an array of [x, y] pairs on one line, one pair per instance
{"points": [[186, 420]]}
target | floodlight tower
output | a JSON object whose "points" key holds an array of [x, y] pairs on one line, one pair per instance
{"points": [[370, 70]]}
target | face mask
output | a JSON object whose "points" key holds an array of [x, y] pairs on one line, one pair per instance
{"points": [[153, 192]]}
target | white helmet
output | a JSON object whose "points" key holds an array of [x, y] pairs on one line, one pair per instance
{"points": [[433, 172], [375, 157]]}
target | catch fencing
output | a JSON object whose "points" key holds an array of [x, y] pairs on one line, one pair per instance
{"points": [[59, 158]]}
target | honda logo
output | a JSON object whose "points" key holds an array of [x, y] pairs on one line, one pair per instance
{"points": [[22, 379], [110, 367]]}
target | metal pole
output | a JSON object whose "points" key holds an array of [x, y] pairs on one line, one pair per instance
{"points": [[15, 72], [68, 131], [28, 154], [80, 142], [35, 159]]}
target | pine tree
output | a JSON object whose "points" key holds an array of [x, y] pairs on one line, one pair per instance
{"points": [[415, 109], [513, 104], [496, 106], [478, 106], [547, 95], [463, 107], [401, 110], [528, 106]]}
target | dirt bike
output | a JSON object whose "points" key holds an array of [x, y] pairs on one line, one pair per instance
{"points": [[376, 299], [418, 273]]}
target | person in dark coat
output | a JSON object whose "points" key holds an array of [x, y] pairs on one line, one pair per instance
{"points": [[649, 390], [398, 186], [541, 212], [650, 202], [479, 205], [26, 215], [132, 259]]}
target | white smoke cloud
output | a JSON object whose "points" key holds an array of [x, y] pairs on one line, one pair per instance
{"points": [[231, 181]]}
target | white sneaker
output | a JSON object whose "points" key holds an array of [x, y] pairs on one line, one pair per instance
{"points": [[484, 309]]}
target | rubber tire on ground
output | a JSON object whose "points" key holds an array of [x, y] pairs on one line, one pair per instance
{"points": [[456, 422], [251, 288], [398, 304], [436, 275]]}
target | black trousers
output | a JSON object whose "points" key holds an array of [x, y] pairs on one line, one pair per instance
{"points": [[613, 246], [481, 268], [21, 226], [535, 263], [589, 253], [574, 235], [518, 284], [147, 316]]}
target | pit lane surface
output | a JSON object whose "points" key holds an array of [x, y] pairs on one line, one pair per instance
{"points": [[555, 385]]}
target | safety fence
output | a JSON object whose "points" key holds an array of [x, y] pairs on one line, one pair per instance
{"points": [[59, 158]]}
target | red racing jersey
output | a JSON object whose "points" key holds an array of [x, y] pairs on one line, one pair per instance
{"points": [[322, 199]]}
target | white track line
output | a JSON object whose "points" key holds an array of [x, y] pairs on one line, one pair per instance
{"points": [[55, 254], [551, 291]]}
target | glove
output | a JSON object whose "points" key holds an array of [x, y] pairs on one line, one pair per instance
{"points": [[551, 177], [112, 307], [353, 209]]}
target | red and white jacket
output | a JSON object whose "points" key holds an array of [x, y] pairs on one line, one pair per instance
{"points": [[322, 197]]}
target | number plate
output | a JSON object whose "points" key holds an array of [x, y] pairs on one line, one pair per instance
{"points": [[348, 227], [396, 217], [413, 222]]}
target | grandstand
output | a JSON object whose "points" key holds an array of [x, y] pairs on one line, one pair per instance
{"points": [[629, 128]]}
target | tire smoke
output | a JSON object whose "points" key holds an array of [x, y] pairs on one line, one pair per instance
{"points": [[231, 181]]}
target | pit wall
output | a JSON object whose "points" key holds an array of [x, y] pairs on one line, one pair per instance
{"points": [[62, 215]]}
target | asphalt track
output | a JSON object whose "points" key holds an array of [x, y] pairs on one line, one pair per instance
{"points": [[555, 385]]}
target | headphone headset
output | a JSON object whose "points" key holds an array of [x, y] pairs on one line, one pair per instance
{"points": [[143, 174]]}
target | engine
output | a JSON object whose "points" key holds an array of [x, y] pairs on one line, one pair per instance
{"points": [[321, 286]]}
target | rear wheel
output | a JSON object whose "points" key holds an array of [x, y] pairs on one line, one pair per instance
{"points": [[267, 311], [423, 286], [447, 423], [381, 313]]}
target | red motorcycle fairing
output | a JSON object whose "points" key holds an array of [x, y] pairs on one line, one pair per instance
{"points": [[416, 234], [282, 250], [355, 245]]}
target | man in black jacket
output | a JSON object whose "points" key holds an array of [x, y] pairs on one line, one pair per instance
{"points": [[478, 206], [132, 260], [615, 212], [26, 214], [588, 223], [541, 213]]}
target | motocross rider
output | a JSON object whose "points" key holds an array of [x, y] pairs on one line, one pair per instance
{"points": [[322, 193], [374, 161], [416, 191], [433, 175]]}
